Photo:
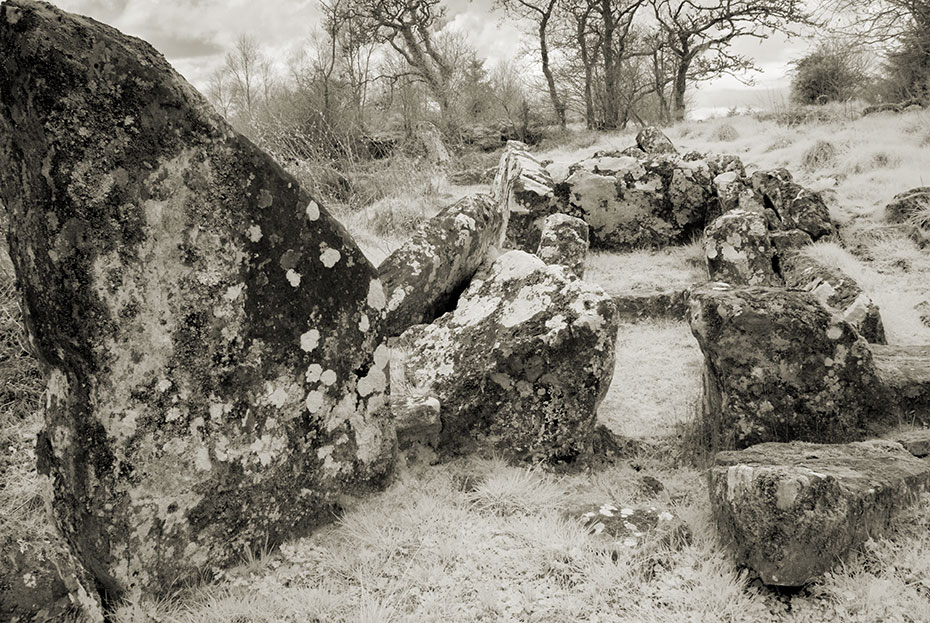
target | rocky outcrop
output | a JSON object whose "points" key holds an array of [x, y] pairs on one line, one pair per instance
{"points": [[794, 206], [207, 329], [423, 277], [737, 250], [564, 241], [524, 190], [525, 358], [838, 292], [790, 511], [629, 203], [779, 367], [653, 141]]}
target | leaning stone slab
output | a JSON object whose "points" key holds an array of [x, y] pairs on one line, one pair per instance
{"points": [[795, 206], [837, 291], [564, 241], [422, 278], [525, 358], [787, 242], [905, 375], [737, 250], [524, 191], [779, 367], [790, 511], [207, 329]]}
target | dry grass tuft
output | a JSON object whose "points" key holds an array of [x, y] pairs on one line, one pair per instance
{"points": [[726, 133], [821, 155]]}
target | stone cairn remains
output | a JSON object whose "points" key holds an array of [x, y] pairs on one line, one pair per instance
{"points": [[223, 362], [796, 367]]}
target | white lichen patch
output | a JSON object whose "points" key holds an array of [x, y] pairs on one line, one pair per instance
{"points": [[309, 340], [202, 459], [255, 233], [364, 324], [329, 257], [328, 378], [530, 301], [314, 372], [233, 292], [293, 277], [314, 401], [313, 210], [376, 299]]}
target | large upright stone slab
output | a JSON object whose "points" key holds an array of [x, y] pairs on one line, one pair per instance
{"points": [[422, 278], [779, 367], [737, 250], [206, 327]]}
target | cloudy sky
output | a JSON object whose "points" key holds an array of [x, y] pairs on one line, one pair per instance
{"points": [[195, 34]]}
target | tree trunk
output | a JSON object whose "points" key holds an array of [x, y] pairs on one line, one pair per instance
{"points": [[588, 71], [678, 90], [547, 71], [611, 100]]}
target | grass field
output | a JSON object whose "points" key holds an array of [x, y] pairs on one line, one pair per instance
{"points": [[474, 539]]}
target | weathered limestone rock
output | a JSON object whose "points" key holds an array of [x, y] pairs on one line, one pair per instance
{"points": [[837, 291], [653, 141], [430, 141], [633, 204], [790, 511], [724, 163], [905, 375], [729, 186], [779, 367], [738, 251], [564, 241], [207, 329], [795, 206], [524, 190], [422, 278], [526, 357]]}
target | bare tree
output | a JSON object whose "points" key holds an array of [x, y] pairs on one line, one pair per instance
{"points": [[408, 26], [250, 73], [699, 33], [220, 91], [542, 14]]}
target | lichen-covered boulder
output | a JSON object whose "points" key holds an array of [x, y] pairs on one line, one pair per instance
{"points": [[789, 511], [525, 358], [564, 241], [207, 329], [779, 367], [728, 186], [422, 278], [738, 251], [629, 203], [524, 191], [653, 141], [837, 291], [795, 206], [725, 163]]}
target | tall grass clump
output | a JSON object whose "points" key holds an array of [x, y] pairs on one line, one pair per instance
{"points": [[822, 154]]}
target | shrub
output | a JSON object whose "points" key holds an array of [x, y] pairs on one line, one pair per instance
{"points": [[834, 72], [726, 133]]}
